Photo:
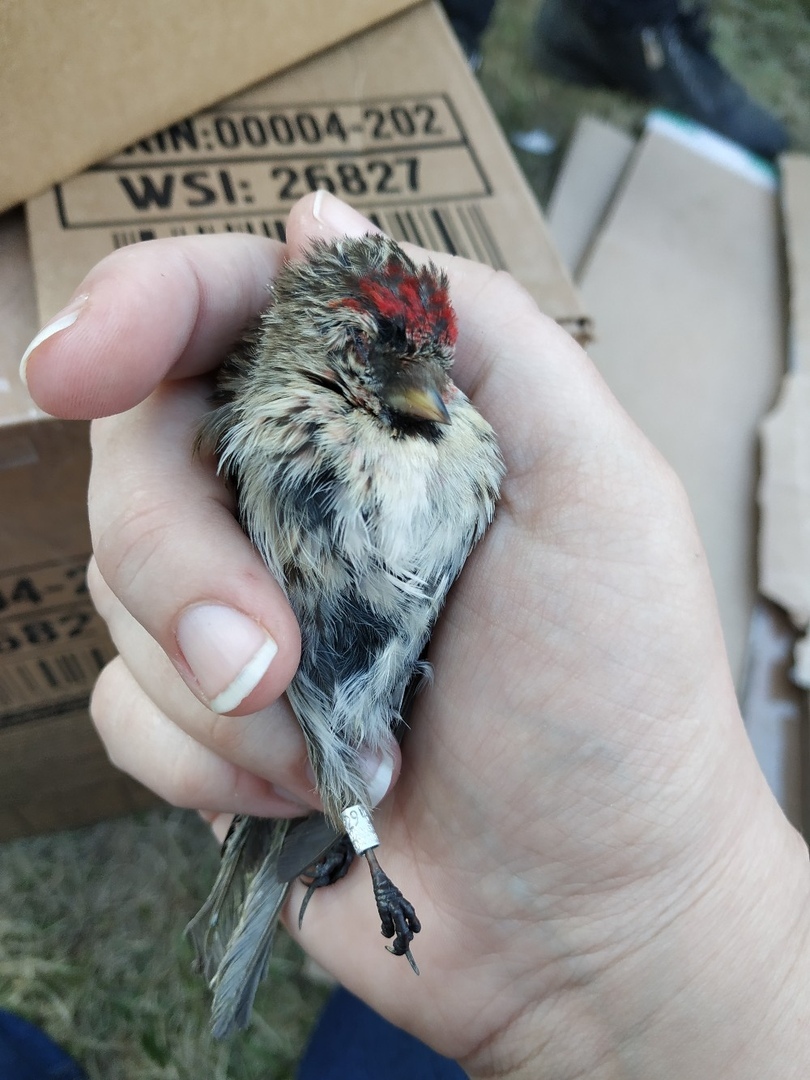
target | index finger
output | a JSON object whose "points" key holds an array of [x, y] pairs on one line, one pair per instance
{"points": [[163, 308]]}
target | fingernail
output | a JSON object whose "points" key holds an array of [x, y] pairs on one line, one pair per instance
{"points": [[228, 653], [66, 317], [219, 824], [339, 217], [379, 768]]}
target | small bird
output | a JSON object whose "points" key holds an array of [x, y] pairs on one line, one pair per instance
{"points": [[364, 477]]}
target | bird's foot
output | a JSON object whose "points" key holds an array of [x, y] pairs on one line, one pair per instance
{"points": [[397, 916], [331, 867]]}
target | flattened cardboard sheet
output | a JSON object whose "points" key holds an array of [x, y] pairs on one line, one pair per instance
{"points": [[795, 174], [784, 493], [410, 141], [685, 288], [586, 184], [775, 711]]}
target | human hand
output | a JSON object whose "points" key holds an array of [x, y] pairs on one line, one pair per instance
{"points": [[579, 820]]}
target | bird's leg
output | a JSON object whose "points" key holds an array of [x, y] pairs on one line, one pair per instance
{"points": [[397, 916], [329, 868]]}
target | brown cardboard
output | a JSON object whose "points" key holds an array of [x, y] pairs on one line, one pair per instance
{"points": [[775, 710], [393, 121], [53, 772], [784, 499], [82, 78], [785, 488], [684, 286], [589, 177], [795, 173]]}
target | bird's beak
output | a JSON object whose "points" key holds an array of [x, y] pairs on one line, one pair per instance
{"points": [[415, 391], [419, 402]]}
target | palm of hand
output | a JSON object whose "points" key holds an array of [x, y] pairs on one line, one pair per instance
{"points": [[541, 797]]}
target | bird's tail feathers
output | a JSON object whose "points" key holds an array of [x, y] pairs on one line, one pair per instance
{"points": [[233, 931]]}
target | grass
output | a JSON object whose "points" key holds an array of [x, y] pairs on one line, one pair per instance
{"points": [[91, 948], [766, 46], [91, 922]]}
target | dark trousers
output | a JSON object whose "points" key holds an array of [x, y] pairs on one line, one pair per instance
{"points": [[351, 1042]]}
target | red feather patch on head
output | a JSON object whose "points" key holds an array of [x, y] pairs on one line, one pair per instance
{"points": [[416, 298]]}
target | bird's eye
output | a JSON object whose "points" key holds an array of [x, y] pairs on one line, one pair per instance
{"points": [[360, 350]]}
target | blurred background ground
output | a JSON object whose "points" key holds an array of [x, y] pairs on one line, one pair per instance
{"points": [[91, 922], [765, 45]]}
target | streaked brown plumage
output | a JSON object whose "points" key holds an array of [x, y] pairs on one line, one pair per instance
{"points": [[364, 477]]}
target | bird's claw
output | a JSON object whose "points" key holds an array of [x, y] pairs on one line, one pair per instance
{"points": [[398, 920], [331, 867]]}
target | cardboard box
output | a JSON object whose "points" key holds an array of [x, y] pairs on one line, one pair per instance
{"points": [[415, 132], [413, 144], [53, 769], [82, 78]]}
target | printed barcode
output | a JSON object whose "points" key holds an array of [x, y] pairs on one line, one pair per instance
{"points": [[49, 677], [456, 228]]}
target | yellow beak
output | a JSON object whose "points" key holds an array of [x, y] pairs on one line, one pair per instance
{"points": [[418, 402]]}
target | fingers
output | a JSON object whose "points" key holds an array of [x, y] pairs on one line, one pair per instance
{"points": [[169, 548], [152, 310], [144, 743], [268, 744]]}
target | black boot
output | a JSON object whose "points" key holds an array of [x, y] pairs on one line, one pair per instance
{"points": [[668, 62]]}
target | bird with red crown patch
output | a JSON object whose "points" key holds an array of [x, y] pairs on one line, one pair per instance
{"points": [[364, 477]]}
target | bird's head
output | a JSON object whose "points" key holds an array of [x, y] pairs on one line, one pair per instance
{"points": [[390, 327]]}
